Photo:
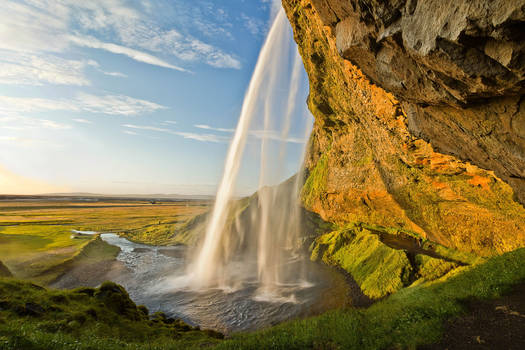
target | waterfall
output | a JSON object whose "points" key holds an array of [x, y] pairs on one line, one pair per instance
{"points": [[276, 217]]}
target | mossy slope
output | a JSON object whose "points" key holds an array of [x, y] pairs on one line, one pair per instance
{"points": [[32, 317], [378, 268]]}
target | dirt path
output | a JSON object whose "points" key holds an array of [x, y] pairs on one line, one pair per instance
{"points": [[495, 324]]}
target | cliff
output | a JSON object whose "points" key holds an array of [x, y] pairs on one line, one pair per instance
{"points": [[419, 118]]}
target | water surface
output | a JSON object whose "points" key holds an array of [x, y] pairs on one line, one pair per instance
{"points": [[157, 278]]}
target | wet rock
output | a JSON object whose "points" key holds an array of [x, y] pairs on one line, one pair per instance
{"points": [[141, 250]]}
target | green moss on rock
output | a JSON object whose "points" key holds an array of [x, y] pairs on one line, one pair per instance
{"points": [[378, 269], [316, 182]]}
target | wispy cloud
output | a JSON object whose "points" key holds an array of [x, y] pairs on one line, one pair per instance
{"points": [[82, 121], [122, 50], [184, 47], [96, 65], [275, 135], [186, 135], [107, 104], [30, 69], [49, 29], [258, 134], [207, 127], [254, 25], [115, 104], [169, 122], [21, 123], [115, 74]]}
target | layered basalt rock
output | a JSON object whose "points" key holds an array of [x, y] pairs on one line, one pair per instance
{"points": [[418, 124]]}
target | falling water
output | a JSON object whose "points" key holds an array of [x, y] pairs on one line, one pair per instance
{"points": [[276, 217]]}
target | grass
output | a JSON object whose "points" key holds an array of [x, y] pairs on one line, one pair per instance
{"points": [[30, 250], [130, 218], [448, 253], [36, 239], [415, 295], [32, 317]]}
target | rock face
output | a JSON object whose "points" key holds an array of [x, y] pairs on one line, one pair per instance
{"points": [[420, 119]]}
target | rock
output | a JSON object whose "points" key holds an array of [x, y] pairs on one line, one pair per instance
{"points": [[448, 61], [141, 250], [419, 117]]}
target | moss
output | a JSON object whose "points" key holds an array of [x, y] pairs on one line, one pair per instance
{"points": [[316, 182], [100, 318], [378, 269], [429, 269]]}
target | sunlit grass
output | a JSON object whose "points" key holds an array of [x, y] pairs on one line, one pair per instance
{"points": [[36, 236]]}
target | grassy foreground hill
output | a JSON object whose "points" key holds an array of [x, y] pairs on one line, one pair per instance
{"points": [[32, 317]]}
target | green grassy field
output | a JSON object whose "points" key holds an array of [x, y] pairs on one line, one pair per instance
{"points": [[105, 318], [36, 236]]}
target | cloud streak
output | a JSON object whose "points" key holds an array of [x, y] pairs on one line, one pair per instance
{"points": [[37, 70], [34, 34], [187, 135], [137, 55], [259, 134], [20, 123], [207, 127], [106, 104]]}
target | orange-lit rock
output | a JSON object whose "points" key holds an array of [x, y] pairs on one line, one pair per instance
{"points": [[368, 164]]}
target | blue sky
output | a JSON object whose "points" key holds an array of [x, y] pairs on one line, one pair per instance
{"points": [[116, 96]]}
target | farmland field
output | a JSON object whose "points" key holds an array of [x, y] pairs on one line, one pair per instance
{"points": [[38, 236]]}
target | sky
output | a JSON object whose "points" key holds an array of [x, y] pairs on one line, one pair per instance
{"points": [[118, 96]]}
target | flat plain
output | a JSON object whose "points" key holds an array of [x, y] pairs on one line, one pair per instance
{"points": [[37, 235]]}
